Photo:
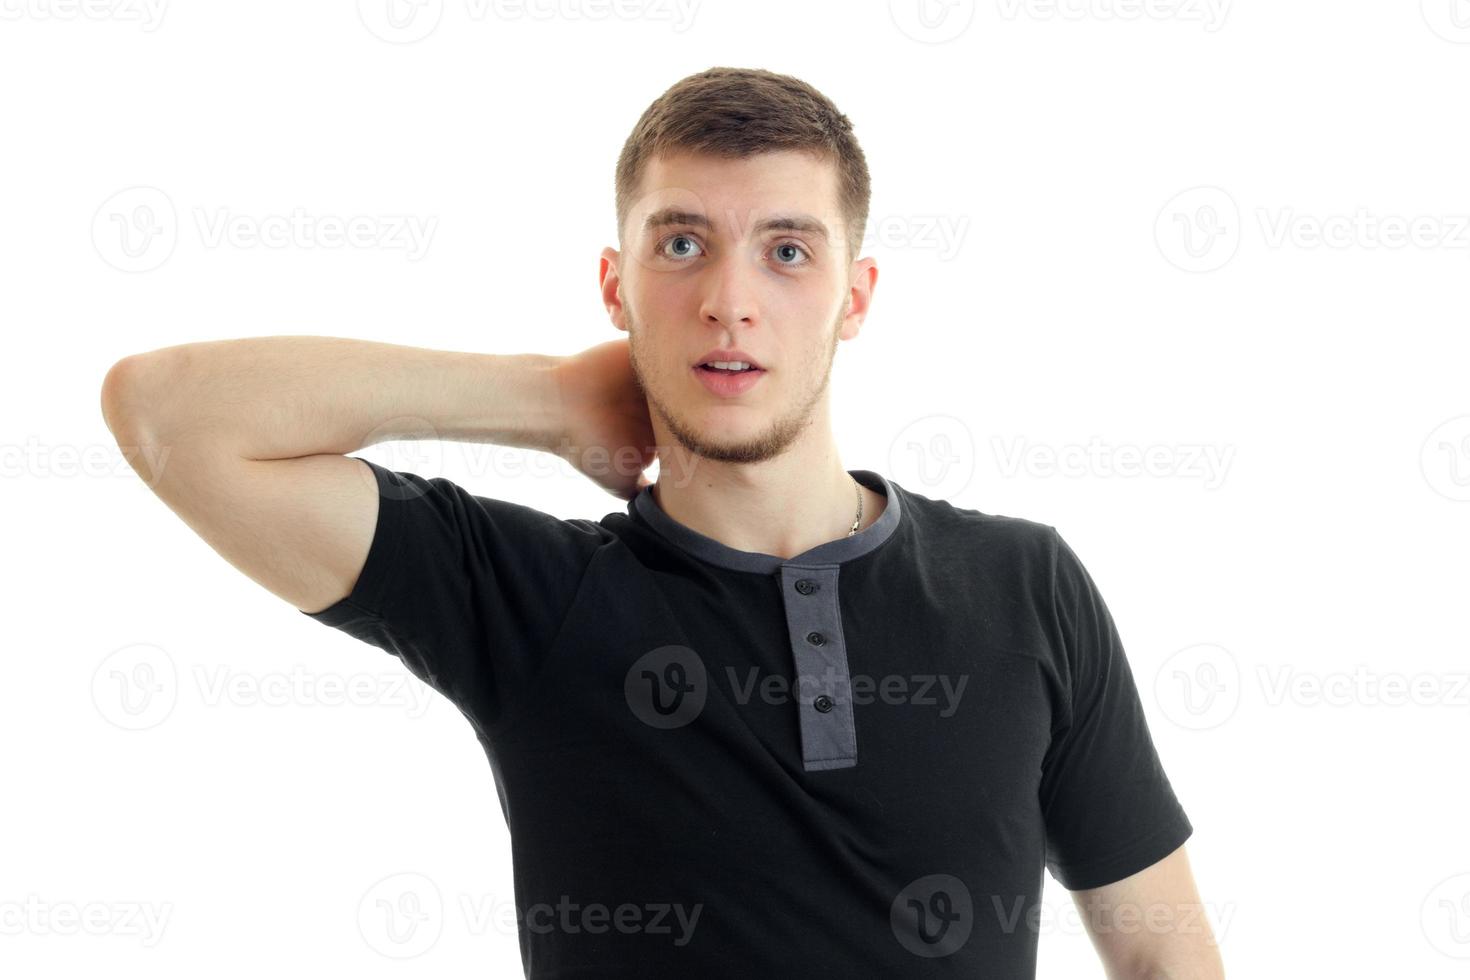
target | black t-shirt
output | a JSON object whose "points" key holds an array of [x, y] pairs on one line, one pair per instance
{"points": [[715, 763]]}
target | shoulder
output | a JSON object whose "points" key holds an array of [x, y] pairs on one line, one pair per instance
{"points": [[991, 542]]}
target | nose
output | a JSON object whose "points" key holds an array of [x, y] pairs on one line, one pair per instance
{"points": [[730, 293]]}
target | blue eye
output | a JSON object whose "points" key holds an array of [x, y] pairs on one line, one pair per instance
{"points": [[661, 249], [799, 250], [674, 238]]}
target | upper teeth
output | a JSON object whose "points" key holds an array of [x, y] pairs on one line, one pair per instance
{"points": [[729, 365]]}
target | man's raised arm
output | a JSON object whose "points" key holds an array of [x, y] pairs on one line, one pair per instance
{"points": [[245, 440]]}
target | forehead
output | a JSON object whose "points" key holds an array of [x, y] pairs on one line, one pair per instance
{"points": [[736, 194]]}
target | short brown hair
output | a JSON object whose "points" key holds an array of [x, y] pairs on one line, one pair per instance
{"points": [[739, 112]]}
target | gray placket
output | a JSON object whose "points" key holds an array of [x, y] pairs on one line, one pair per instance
{"points": [[822, 687]]}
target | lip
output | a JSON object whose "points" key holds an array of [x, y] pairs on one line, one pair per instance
{"points": [[728, 354], [728, 385]]}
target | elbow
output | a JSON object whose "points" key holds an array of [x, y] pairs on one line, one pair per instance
{"points": [[114, 392], [124, 397], [132, 394]]}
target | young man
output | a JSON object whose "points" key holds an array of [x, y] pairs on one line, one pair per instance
{"points": [[778, 718]]}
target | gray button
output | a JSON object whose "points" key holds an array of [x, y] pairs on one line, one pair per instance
{"points": [[823, 703], [806, 586], [815, 639]]}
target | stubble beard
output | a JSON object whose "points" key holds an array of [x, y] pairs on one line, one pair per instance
{"points": [[768, 444]]}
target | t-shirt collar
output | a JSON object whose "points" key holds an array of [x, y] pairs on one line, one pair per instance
{"points": [[828, 553]]}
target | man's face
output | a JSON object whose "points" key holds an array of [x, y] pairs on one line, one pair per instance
{"points": [[704, 274]]}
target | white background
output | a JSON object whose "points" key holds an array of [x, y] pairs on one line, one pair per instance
{"points": [[1232, 237]]}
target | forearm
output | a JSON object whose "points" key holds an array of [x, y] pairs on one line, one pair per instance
{"points": [[289, 396]]}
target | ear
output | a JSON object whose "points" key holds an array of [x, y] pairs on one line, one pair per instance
{"points": [[610, 283], [864, 278]]}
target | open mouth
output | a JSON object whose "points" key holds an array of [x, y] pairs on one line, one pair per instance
{"points": [[728, 381]]}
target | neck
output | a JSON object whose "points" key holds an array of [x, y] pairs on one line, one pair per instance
{"points": [[781, 506]]}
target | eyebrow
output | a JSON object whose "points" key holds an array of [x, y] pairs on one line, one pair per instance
{"points": [[781, 222]]}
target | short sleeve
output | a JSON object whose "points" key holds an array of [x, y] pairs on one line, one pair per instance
{"points": [[468, 592], [1107, 803]]}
